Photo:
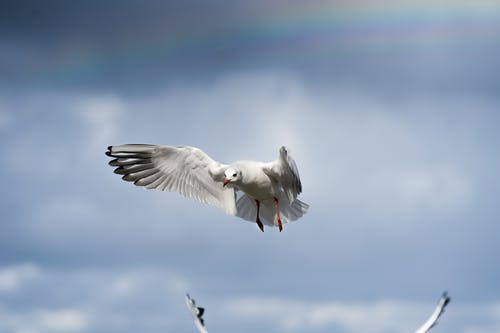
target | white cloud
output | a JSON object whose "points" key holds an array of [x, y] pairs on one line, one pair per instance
{"points": [[12, 278], [73, 126], [44, 321], [355, 153], [102, 114], [368, 151], [152, 298], [288, 315], [296, 316], [123, 286], [63, 320], [482, 329], [26, 330], [95, 300], [435, 188]]}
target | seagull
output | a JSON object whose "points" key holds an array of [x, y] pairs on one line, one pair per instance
{"points": [[443, 301], [269, 190], [197, 313]]}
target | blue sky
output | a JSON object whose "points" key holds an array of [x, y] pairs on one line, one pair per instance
{"points": [[390, 110]]}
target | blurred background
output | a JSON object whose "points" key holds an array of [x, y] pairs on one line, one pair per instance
{"points": [[390, 109]]}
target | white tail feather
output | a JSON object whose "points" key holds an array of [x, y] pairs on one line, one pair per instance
{"points": [[247, 210]]}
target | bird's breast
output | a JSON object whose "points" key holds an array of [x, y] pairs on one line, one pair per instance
{"points": [[259, 187]]}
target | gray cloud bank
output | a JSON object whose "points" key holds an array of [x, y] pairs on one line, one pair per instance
{"points": [[403, 203], [396, 142]]}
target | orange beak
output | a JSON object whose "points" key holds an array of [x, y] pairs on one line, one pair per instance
{"points": [[226, 181]]}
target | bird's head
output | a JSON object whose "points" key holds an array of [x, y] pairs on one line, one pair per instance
{"points": [[283, 151], [231, 175]]}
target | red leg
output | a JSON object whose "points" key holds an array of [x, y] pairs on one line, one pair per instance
{"points": [[276, 204], [261, 226]]}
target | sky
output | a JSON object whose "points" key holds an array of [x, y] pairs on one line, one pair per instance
{"points": [[389, 108]]}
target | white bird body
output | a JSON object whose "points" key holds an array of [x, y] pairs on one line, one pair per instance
{"points": [[270, 190], [255, 182]]}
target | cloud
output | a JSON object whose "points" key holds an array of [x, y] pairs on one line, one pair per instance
{"points": [[91, 299], [123, 286], [296, 316], [439, 188], [290, 315], [390, 162], [380, 176], [101, 113], [44, 321], [13, 278], [66, 320], [326, 40], [365, 147]]}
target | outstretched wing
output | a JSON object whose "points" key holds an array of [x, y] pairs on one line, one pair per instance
{"points": [[435, 315], [285, 171], [197, 313], [186, 170]]}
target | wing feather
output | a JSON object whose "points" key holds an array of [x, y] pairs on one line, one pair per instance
{"points": [[186, 170], [284, 170], [431, 322], [197, 313]]}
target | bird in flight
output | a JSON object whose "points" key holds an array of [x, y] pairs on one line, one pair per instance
{"points": [[197, 313], [268, 190], [443, 302]]}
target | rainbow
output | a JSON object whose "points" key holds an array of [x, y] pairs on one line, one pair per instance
{"points": [[300, 30]]}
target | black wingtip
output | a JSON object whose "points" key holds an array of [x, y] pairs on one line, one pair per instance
{"points": [[447, 299], [119, 170], [110, 148], [201, 312]]}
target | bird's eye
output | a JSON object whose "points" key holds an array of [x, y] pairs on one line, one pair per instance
{"points": [[234, 174]]}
